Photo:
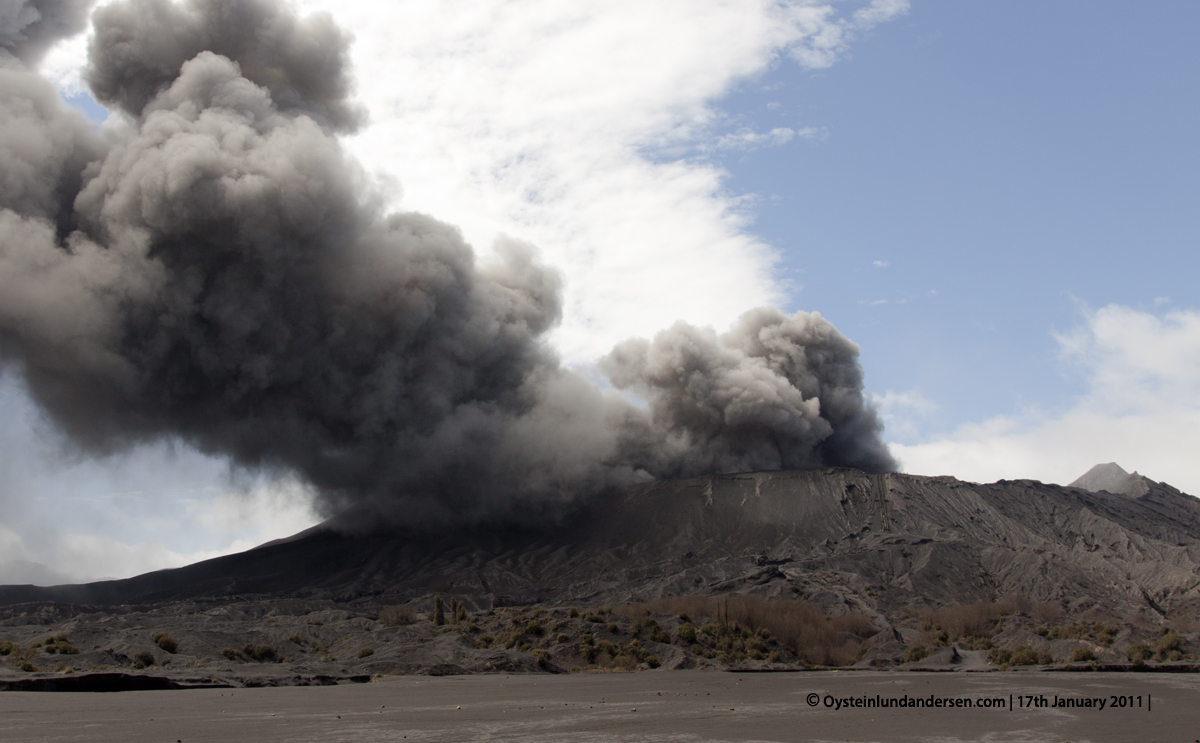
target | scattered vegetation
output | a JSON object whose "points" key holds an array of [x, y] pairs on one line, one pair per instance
{"points": [[365, 653], [58, 644], [9, 648], [259, 653], [970, 623], [1095, 632], [439, 611], [1169, 647], [1021, 655], [296, 639], [746, 626]]}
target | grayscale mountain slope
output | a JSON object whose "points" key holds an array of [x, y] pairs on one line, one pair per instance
{"points": [[840, 538]]}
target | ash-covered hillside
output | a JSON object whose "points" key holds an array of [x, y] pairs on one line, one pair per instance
{"points": [[839, 538]]}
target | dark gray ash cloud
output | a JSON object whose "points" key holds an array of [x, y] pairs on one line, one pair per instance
{"points": [[216, 269], [29, 27]]}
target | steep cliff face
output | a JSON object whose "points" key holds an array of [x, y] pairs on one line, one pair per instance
{"points": [[838, 537]]}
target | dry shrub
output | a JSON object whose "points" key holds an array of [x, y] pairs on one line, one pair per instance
{"points": [[397, 616], [166, 642], [144, 659], [796, 624]]}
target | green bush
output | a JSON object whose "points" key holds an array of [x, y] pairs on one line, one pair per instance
{"points": [[8, 648], [143, 659], [365, 653], [1082, 655], [563, 638], [439, 611], [62, 647], [614, 628], [999, 656], [542, 656], [260, 653], [914, 653], [166, 642], [535, 629], [1023, 655], [1168, 643], [687, 633], [572, 612], [26, 666], [233, 654], [484, 642], [297, 639], [1139, 653]]}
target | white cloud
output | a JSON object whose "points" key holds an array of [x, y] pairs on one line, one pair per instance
{"points": [[747, 139], [827, 38], [550, 122], [1142, 410], [880, 264], [902, 411]]}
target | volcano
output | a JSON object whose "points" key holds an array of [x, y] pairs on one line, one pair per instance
{"points": [[840, 538]]}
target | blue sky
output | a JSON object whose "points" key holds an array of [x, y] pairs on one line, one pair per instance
{"points": [[1019, 159], [1000, 202]]}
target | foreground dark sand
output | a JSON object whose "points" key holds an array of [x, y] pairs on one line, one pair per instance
{"points": [[651, 706]]}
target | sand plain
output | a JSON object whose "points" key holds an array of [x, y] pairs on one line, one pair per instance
{"points": [[682, 706]]}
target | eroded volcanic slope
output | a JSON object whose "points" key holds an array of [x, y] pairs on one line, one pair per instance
{"points": [[875, 543]]}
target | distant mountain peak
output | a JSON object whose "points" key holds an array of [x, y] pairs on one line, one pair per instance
{"points": [[1112, 477]]}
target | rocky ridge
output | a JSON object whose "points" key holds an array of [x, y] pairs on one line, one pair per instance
{"points": [[885, 546]]}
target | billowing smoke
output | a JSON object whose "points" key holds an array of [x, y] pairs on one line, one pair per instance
{"points": [[215, 269]]}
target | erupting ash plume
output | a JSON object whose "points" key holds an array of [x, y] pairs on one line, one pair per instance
{"points": [[214, 268]]}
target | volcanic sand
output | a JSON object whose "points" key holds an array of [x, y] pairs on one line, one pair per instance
{"points": [[650, 706]]}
